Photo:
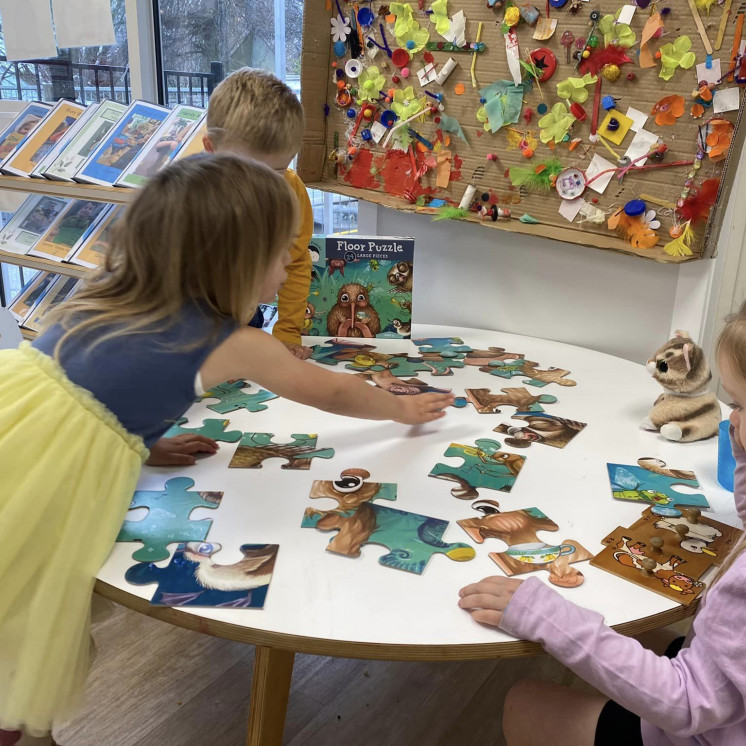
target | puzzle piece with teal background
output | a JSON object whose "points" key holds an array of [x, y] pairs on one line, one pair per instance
{"points": [[179, 583], [167, 520], [443, 346], [535, 376], [485, 402], [634, 483], [211, 428], [232, 397], [398, 365], [485, 465], [256, 448], [439, 365], [505, 368], [411, 538], [333, 351]]}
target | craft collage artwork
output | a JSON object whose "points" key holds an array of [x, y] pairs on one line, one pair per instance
{"points": [[667, 550], [605, 124]]}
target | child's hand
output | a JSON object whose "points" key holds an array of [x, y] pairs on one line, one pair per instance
{"points": [[487, 600], [416, 410], [180, 450], [301, 352]]}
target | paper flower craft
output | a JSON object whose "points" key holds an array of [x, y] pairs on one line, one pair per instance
{"points": [[651, 220], [405, 103], [406, 29], [574, 89], [668, 110], [555, 124], [703, 102], [636, 230], [719, 136], [619, 34], [340, 29], [370, 84], [439, 10], [676, 55]]}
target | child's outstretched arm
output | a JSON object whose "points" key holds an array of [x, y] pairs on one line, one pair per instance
{"points": [[259, 357]]}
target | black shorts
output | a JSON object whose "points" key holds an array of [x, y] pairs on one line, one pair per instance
{"points": [[619, 727]]}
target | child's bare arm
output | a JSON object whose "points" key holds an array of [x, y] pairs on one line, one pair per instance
{"points": [[255, 355]]}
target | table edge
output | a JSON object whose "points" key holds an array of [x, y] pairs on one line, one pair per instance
{"points": [[364, 650]]}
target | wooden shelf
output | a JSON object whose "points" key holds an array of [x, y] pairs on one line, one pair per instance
{"points": [[46, 265], [28, 333], [116, 195]]}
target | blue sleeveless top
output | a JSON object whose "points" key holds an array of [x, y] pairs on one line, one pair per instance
{"points": [[145, 379]]}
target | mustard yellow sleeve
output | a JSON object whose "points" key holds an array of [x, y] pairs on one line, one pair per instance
{"points": [[293, 295]]}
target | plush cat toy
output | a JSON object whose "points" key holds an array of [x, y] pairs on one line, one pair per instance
{"points": [[687, 411]]}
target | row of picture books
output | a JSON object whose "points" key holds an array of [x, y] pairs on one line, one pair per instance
{"points": [[38, 297], [106, 143]]}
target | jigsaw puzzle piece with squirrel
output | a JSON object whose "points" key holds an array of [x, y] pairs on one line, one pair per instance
{"points": [[526, 552], [488, 403], [232, 397], [484, 465], [193, 578], [211, 428], [490, 355], [167, 520], [536, 376], [255, 448], [540, 427]]}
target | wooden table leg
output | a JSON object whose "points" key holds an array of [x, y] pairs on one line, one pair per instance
{"points": [[270, 690]]}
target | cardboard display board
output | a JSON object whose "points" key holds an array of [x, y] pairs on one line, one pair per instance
{"points": [[361, 147]]}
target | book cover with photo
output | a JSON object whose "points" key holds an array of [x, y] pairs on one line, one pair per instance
{"points": [[29, 222], [163, 146], [58, 241], [21, 127], [193, 145], [361, 286], [93, 247], [60, 288], [123, 144], [83, 141], [55, 125], [30, 295]]}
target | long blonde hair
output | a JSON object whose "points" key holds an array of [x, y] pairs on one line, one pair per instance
{"points": [[204, 229]]}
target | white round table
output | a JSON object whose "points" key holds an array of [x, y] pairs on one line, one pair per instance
{"points": [[327, 604]]}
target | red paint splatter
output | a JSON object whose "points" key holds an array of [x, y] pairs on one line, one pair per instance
{"points": [[479, 133], [456, 167], [359, 175], [395, 168]]}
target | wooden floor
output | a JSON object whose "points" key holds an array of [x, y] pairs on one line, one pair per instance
{"points": [[153, 684]]}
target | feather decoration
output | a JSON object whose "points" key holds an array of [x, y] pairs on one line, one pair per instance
{"points": [[611, 55], [697, 205], [450, 213], [639, 233], [539, 178], [681, 246]]}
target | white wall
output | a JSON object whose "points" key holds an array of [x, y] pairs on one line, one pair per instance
{"points": [[473, 276]]}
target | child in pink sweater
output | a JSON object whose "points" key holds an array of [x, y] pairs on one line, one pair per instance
{"points": [[692, 696]]}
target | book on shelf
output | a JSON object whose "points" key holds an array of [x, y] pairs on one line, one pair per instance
{"points": [[9, 110], [30, 294], [58, 242], [60, 288], [163, 146], [93, 247], [21, 127], [361, 286], [88, 133], [30, 221], [193, 144], [24, 159], [123, 144]]}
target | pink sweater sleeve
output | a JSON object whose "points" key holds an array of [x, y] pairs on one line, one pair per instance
{"points": [[701, 689]]}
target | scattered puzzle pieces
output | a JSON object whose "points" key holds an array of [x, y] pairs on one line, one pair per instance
{"points": [[193, 579], [210, 429], [232, 397], [491, 354], [526, 552], [443, 346], [488, 403], [540, 427], [651, 482], [536, 376], [485, 465], [167, 520], [336, 350], [255, 448]]}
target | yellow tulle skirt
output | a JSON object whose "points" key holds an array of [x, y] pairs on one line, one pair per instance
{"points": [[67, 473]]}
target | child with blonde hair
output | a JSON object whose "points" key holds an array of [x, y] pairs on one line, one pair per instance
{"points": [[254, 113], [694, 695], [201, 245]]}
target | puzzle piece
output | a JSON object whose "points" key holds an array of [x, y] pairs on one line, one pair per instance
{"points": [[232, 397], [386, 380], [443, 346], [526, 552], [400, 364], [540, 428], [351, 490], [411, 538], [485, 465], [210, 429], [255, 448], [491, 354], [335, 350], [193, 579], [537, 376], [651, 482], [167, 520], [439, 365], [488, 403]]}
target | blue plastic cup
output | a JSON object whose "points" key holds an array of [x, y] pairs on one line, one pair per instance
{"points": [[726, 462]]}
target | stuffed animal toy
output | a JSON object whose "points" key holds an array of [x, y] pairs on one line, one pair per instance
{"points": [[687, 411]]}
